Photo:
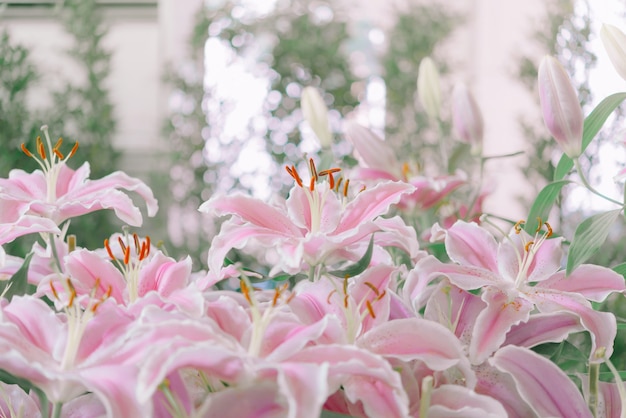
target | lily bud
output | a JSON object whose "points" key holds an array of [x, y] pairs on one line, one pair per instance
{"points": [[562, 113], [372, 151], [614, 42], [467, 118], [428, 89], [316, 114]]}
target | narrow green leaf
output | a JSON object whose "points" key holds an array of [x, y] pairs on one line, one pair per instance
{"points": [[564, 166], [358, 267], [591, 127], [621, 326], [589, 236], [543, 203], [18, 282], [599, 115]]}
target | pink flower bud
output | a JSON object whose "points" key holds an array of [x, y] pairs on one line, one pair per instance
{"points": [[467, 118], [614, 42], [562, 113]]}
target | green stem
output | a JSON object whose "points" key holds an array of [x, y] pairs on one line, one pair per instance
{"points": [[594, 377], [56, 410], [427, 387], [589, 187], [470, 208], [512, 154]]}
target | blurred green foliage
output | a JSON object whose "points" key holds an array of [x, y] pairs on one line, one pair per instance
{"points": [[80, 112]]}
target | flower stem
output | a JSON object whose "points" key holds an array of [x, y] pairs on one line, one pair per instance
{"points": [[589, 187], [56, 410], [594, 376]]}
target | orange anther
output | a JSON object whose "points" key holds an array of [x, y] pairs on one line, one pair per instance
{"points": [[147, 242], [137, 246], [370, 309], [72, 293], [539, 225], [329, 296], [312, 168], [108, 292], [41, 150], [245, 291], [312, 184], [108, 248], [26, 151], [276, 296], [549, 232], [54, 291], [122, 245], [338, 185], [127, 255], [345, 301], [58, 144], [382, 295], [345, 285], [294, 174], [345, 188], [528, 244], [371, 286], [58, 153], [518, 226], [73, 151]]}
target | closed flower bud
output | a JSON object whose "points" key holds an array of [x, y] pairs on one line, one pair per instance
{"points": [[316, 114], [614, 42], [428, 90], [561, 110], [467, 118]]}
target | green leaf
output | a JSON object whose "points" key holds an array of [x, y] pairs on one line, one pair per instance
{"points": [[591, 127], [329, 414], [564, 166], [18, 283], [588, 238], [358, 267], [599, 115], [543, 203]]}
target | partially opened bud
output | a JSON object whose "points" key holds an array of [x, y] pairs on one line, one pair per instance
{"points": [[371, 150], [562, 113], [428, 89], [467, 118], [316, 114], [614, 42]]}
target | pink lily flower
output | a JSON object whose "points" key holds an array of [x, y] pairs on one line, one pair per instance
{"points": [[548, 390], [517, 275], [66, 355], [316, 225], [458, 310], [378, 161], [143, 275], [58, 192]]}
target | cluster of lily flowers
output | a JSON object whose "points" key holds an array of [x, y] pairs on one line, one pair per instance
{"points": [[351, 318]]}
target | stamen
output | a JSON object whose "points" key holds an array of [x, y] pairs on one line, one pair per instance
{"points": [[73, 151], [338, 185], [518, 226], [345, 301], [312, 168], [108, 292], [539, 225], [147, 242], [54, 291], [345, 285], [72, 293], [122, 245], [127, 256], [245, 291], [58, 144], [329, 296], [363, 189], [137, 246], [58, 153], [108, 248], [26, 151], [372, 287], [345, 188], [312, 184], [294, 174], [528, 244], [41, 149], [71, 243], [382, 295], [405, 170], [370, 309], [549, 232]]}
